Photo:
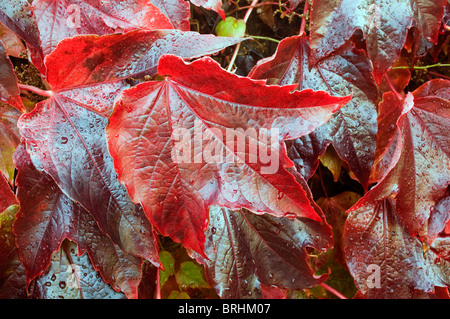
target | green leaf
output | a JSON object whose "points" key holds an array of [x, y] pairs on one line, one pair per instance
{"points": [[178, 295], [169, 266], [190, 275]]}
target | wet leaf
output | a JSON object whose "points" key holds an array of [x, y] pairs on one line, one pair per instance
{"points": [[383, 24], [176, 175], [352, 129], [245, 251], [47, 217]]}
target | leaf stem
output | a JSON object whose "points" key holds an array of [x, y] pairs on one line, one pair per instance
{"points": [[305, 13], [333, 291], [439, 75], [264, 38], [393, 89], [416, 67], [256, 5], [249, 10], [158, 283], [238, 46], [321, 182], [35, 90]]}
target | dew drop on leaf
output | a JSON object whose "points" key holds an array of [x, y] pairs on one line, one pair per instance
{"points": [[290, 215]]}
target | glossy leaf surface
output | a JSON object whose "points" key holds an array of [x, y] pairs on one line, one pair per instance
{"points": [[245, 251], [61, 19], [65, 133], [176, 182], [47, 217], [384, 25], [352, 129]]}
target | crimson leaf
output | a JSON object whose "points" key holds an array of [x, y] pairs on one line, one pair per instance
{"points": [[71, 275], [384, 25], [12, 271], [385, 260], [9, 90], [202, 99], [245, 251], [215, 5], [65, 134], [47, 217], [420, 171], [410, 202], [352, 129], [61, 19], [18, 16], [177, 11]]}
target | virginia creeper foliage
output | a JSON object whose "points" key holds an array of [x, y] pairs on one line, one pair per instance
{"points": [[142, 157]]}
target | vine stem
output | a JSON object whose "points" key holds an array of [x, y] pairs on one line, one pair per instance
{"points": [[35, 90], [264, 38], [255, 6], [333, 291], [238, 46], [305, 13], [421, 67]]}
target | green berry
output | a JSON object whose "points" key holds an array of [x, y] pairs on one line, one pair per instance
{"points": [[230, 27]]}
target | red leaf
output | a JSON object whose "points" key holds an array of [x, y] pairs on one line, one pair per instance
{"points": [[389, 143], [12, 272], [418, 152], [202, 98], [439, 218], [352, 129], [71, 275], [177, 11], [215, 5], [13, 44], [246, 251], [58, 20], [8, 197], [387, 262], [410, 201], [9, 90], [93, 59], [17, 15], [47, 216], [65, 134], [384, 25]]}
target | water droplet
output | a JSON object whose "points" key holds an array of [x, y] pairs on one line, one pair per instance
{"points": [[213, 230], [290, 215], [64, 140], [62, 284], [280, 195]]}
